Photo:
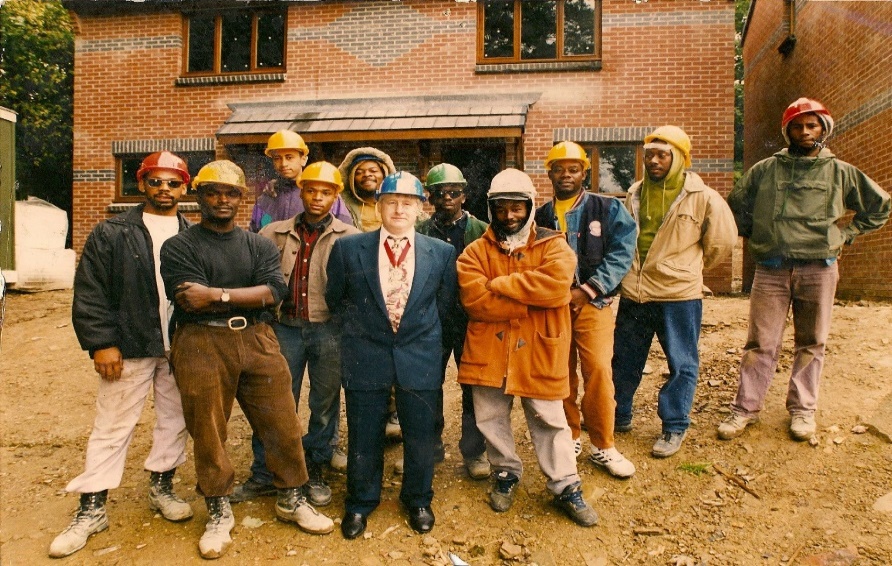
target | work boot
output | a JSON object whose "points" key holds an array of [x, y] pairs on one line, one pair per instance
{"points": [[317, 491], [501, 496], [90, 519], [251, 489], [802, 425], [163, 499], [393, 428], [338, 461], [575, 506], [216, 539], [734, 425], [478, 467], [292, 506]]}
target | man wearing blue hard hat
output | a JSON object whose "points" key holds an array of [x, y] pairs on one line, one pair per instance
{"points": [[394, 287]]}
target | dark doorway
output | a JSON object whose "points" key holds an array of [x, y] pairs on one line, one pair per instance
{"points": [[479, 163]]}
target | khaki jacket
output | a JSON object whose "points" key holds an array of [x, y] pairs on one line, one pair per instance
{"points": [[697, 233], [518, 305], [288, 242]]}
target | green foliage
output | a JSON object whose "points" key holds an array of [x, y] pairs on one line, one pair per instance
{"points": [[696, 468], [36, 81], [741, 9]]}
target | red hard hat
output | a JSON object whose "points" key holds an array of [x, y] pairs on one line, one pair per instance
{"points": [[807, 106], [163, 160], [803, 106]]}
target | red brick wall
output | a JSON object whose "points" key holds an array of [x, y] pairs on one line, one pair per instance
{"points": [[842, 57], [663, 63]]}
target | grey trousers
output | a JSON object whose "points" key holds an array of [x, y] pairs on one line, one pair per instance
{"points": [[810, 290], [548, 430]]}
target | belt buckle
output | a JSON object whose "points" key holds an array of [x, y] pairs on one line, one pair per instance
{"points": [[237, 323]]}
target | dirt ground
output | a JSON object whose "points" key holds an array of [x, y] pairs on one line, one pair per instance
{"points": [[760, 499]]}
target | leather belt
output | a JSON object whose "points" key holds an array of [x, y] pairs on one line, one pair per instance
{"points": [[234, 323]]}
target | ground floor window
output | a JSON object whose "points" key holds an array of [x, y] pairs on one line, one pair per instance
{"points": [[127, 189]]}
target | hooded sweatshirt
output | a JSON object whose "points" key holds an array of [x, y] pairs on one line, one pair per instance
{"points": [[359, 208]]}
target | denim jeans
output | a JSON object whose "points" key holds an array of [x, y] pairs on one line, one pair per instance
{"points": [[677, 326], [314, 346]]}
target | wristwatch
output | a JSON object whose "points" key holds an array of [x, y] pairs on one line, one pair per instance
{"points": [[224, 297]]}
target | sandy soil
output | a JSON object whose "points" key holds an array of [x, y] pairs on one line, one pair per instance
{"points": [[760, 499]]}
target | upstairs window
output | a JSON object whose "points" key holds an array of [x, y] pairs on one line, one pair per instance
{"points": [[529, 31], [241, 41]]}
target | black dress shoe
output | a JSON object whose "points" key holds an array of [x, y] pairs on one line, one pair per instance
{"points": [[353, 525], [421, 519]]}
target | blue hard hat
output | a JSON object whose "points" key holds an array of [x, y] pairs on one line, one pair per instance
{"points": [[401, 183]]}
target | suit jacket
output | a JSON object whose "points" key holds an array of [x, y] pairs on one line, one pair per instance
{"points": [[373, 356]]}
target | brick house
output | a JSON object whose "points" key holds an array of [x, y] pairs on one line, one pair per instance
{"points": [[484, 85], [838, 53]]}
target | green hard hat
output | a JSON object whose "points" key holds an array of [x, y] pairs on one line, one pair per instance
{"points": [[445, 174]]}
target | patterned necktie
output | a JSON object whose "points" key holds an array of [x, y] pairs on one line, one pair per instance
{"points": [[397, 292]]}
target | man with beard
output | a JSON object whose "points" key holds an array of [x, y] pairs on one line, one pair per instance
{"points": [[120, 315], [450, 223], [280, 199], [515, 286], [789, 207], [225, 282], [363, 170], [684, 227]]}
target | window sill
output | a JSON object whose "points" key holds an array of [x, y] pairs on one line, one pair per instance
{"points": [[117, 207], [544, 67], [228, 79]]}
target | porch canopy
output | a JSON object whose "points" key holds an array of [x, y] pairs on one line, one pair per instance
{"points": [[494, 115]]}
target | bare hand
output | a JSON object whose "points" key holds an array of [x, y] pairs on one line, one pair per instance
{"points": [[578, 299], [108, 363]]}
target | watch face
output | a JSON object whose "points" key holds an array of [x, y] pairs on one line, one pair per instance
{"points": [[224, 297]]}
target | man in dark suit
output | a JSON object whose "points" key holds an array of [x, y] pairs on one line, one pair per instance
{"points": [[390, 289]]}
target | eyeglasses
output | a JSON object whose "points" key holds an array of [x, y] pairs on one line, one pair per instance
{"points": [[172, 183], [440, 193]]}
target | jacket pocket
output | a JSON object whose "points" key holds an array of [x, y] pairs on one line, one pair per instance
{"points": [[796, 201], [550, 355]]}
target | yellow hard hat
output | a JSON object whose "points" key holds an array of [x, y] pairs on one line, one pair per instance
{"points": [[286, 139], [675, 136], [567, 150], [221, 172], [324, 172]]}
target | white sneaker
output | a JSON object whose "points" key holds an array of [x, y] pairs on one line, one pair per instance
{"points": [[90, 519], [802, 426], [393, 429], [216, 539], [577, 447], [735, 424], [293, 507], [611, 459]]}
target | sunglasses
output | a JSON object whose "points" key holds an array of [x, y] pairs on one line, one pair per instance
{"points": [[440, 193], [173, 184]]}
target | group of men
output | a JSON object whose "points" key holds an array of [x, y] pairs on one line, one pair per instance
{"points": [[364, 292]]}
